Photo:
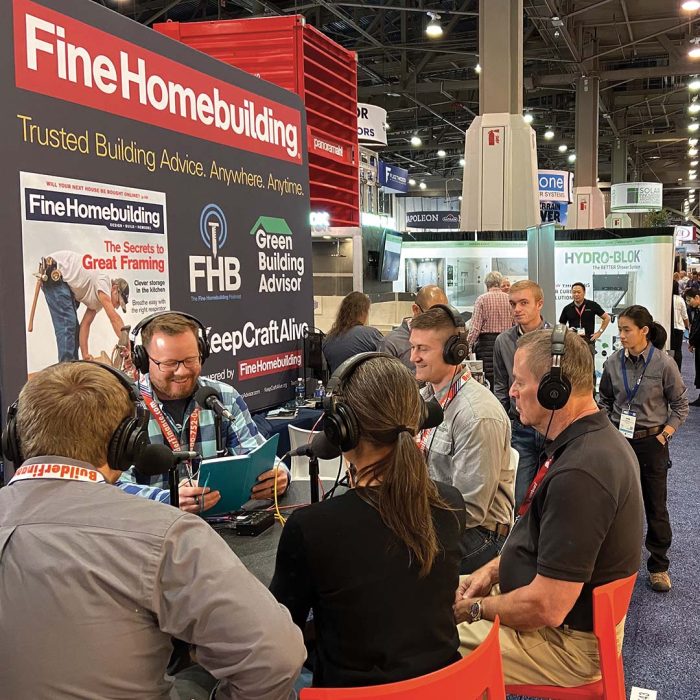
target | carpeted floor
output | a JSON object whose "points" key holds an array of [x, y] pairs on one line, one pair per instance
{"points": [[662, 637]]}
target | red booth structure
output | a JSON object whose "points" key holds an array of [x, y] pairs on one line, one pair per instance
{"points": [[288, 52]]}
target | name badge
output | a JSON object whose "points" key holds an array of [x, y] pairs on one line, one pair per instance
{"points": [[581, 331], [628, 419]]}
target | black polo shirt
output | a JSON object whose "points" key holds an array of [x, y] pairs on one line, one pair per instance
{"points": [[582, 316], [585, 520]]}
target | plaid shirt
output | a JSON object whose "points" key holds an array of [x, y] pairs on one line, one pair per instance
{"points": [[492, 314], [240, 437]]}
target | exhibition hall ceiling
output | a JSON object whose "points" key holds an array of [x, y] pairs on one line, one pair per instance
{"points": [[639, 48]]}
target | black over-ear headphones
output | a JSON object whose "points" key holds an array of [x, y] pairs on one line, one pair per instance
{"points": [[555, 388], [339, 421], [139, 355], [456, 347], [128, 439]]}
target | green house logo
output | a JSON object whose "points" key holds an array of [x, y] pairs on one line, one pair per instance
{"points": [[271, 225]]}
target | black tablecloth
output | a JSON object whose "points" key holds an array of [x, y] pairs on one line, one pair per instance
{"points": [[305, 418]]}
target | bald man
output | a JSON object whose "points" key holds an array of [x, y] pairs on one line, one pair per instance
{"points": [[397, 342]]}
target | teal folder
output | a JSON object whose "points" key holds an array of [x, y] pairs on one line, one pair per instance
{"points": [[235, 476]]}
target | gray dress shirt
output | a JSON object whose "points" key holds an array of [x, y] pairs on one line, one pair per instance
{"points": [[662, 397], [94, 582], [398, 344], [470, 450]]}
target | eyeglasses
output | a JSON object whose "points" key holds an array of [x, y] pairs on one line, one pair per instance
{"points": [[173, 365]]}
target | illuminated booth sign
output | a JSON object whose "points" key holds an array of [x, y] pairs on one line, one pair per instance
{"points": [[555, 188], [393, 178], [636, 196], [432, 219]]}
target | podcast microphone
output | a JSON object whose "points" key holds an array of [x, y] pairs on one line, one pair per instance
{"points": [[320, 447], [433, 415], [208, 397], [160, 459]]}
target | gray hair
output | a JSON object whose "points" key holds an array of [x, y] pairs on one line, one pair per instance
{"points": [[493, 279]]}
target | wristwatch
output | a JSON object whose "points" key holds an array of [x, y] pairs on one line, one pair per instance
{"points": [[666, 436], [474, 613]]}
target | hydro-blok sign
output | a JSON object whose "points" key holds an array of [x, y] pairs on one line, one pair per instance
{"points": [[140, 175]]}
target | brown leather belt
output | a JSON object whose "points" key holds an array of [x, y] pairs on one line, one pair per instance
{"points": [[647, 432], [500, 529]]}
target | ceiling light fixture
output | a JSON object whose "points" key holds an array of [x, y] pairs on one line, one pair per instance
{"points": [[694, 107], [528, 118], [693, 163], [441, 153], [422, 185], [563, 148], [460, 198], [694, 85], [691, 5], [477, 68], [412, 182], [549, 134], [693, 126], [462, 162], [694, 50], [571, 158], [416, 140], [434, 28], [692, 151], [692, 142]]}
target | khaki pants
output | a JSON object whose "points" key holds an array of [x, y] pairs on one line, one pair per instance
{"points": [[547, 656]]}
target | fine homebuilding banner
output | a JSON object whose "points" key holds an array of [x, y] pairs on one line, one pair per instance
{"points": [[140, 175]]}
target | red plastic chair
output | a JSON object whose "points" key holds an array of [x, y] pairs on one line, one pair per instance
{"points": [[475, 676], [610, 603]]}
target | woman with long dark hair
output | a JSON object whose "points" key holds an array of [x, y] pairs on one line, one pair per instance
{"points": [[644, 395], [350, 335], [379, 564]]}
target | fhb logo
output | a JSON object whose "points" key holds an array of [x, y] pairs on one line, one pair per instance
{"points": [[222, 273]]}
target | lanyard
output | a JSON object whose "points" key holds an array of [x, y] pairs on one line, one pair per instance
{"points": [[68, 472], [541, 473], [580, 313], [449, 396], [166, 428], [633, 393]]}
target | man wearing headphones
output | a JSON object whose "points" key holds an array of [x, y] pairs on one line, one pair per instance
{"points": [[169, 359], [579, 526], [471, 448], [93, 583]]}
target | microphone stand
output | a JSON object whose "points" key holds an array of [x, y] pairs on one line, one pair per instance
{"points": [[218, 429], [173, 485], [313, 478]]}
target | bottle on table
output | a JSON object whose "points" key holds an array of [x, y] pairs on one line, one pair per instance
{"points": [[320, 391], [300, 392]]}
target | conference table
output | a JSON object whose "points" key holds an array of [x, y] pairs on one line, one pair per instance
{"points": [[258, 553]]}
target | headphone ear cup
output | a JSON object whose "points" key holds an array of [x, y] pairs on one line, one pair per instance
{"points": [[553, 392], [139, 357], [10, 439], [455, 350], [129, 438], [341, 428]]}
